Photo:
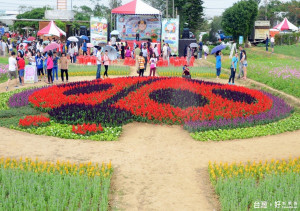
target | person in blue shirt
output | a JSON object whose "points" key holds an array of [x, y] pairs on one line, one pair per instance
{"points": [[55, 66], [234, 62], [39, 65], [84, 48], [218, 63], [45, 57]]}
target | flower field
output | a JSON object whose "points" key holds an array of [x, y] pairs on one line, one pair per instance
{"points": [[96, 110], [200, 72], [39, 185], [271, 184]]}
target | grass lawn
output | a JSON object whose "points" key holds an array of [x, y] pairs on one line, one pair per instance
{"points": [[288, 50], [271, 69]]}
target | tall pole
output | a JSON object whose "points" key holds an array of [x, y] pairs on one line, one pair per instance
{"points": [[266, 9], [167, 9], [173, 9], [71, 4]]}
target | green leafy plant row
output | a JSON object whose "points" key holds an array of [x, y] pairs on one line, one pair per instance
{"points": [[65, 131], [289, 124]]}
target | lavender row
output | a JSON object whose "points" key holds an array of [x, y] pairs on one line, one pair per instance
{"points": [[21, 99], [278, 111]]}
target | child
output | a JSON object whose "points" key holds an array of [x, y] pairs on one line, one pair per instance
{"points": [[153, 61], [186, 70], [64, 67], [234, 62]]}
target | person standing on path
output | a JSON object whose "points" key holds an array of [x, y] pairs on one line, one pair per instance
{"points": [[153, 61], [241, 70], [145, 55], [55, 66], [234, 62], [39, 65], [106, 63], [272, 40], [200, 49], [12, 69], [141, 62], [245, 64], [84, 48], [49, 67], [99, 59], [64, 64], [122, 51], [218, 63], [165, 52], [267, 42], [21, 65]]}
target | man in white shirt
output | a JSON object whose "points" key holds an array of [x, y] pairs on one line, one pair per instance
{"points": [[12, 69], [99, 60], [165, 52], [145, 55]]}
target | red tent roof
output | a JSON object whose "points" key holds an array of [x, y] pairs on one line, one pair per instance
{"points": [[136, 7], [52, 29]]}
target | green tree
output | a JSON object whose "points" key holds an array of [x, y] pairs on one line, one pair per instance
{"points": [[114, 4], [60, 24], [37, 13], [193, 14], [239, 19]]}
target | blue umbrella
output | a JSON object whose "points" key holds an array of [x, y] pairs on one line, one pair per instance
{"points": [[218, 48], [84, 37], [25, 41]]}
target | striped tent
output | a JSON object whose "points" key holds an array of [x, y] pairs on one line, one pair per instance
{"points": [[286, 25], [136, 7], [51, 29]]}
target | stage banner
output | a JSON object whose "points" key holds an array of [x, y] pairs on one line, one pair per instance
{"points": [[147, 26], [170, 33], [98, 30], [30, 74]]}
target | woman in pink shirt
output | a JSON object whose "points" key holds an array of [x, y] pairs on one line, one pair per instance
{"points": [[128, 53], [106, 63], [49, 67]]}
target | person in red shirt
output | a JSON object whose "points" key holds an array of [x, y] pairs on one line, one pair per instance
{"points": [[21, 67]]}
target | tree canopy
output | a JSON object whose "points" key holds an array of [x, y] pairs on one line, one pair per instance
{"points": [[239, 19]]}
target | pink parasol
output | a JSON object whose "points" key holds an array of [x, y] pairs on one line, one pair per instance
{"points": [[89, 45], [51, 46], [31, 38]]}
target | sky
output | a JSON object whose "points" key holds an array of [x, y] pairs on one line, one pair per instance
{"points": [[213, 7]]}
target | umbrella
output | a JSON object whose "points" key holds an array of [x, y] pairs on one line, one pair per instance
{"points": [[112, 52], [51, 46], [193, 45], [47, 35], [206, 49], [218, 48], [84, 37], [114, 32], [26, 41], [27, 28], [102, 43], [73, 39], [31, 38], [89, 45], [46, 41]]}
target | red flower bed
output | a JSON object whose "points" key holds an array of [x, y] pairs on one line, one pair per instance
{"points": [[140, 104], [34, 121], [120, 100], [87, 129]]}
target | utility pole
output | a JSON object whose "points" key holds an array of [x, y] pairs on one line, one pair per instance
{"points": [[173, 9], [71, 4], [266, 9], [167, 9]]}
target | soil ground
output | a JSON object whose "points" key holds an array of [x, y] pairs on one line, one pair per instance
{"points": [[157, 167]]}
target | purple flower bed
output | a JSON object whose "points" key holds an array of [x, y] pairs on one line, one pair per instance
{"points": [[279, 111], [21, 99]]}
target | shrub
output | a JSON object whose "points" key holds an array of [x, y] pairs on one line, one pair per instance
{"points": [[287, 39]]}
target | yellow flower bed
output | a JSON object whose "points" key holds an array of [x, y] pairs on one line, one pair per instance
{"points": [[252, 169], [62, 168]]}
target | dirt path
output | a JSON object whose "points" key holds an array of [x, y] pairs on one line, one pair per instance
{"points": [[157, 167]]}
